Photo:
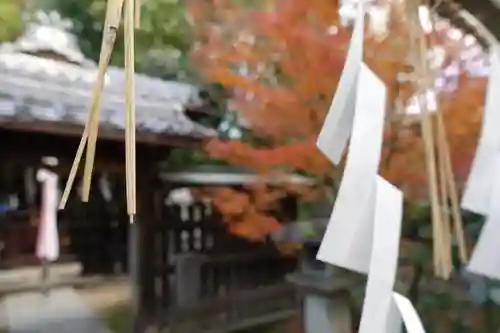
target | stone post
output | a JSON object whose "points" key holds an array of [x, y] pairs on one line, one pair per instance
{"points": [[325, 295]]}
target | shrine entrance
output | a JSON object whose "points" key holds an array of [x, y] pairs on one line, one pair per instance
{"points": [[84, 229], [198, 277], [45, 88]]}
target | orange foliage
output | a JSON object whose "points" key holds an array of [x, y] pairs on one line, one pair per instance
{"points": [[403, 160], [281, 60], [242, 210]]}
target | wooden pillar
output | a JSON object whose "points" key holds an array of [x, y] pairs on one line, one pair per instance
{"points": [[134, 248], [141, 248]]}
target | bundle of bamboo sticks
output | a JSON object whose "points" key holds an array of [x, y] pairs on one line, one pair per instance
{"points": [[89, 136], [445, 211]]}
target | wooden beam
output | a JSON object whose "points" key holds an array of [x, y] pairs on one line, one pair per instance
{"points": [[108, 134], [487, 27]]}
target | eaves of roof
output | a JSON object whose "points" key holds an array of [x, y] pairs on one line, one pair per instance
{"points": [[217, 175], [45, 95], [477, 17]]}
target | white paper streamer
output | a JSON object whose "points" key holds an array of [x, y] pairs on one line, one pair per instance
{"points": [[364, 229], [337, 128], [379, 313], [485, 259], [47, 246], [105, 188], [348, 238], [476, 197], [407, 311]]}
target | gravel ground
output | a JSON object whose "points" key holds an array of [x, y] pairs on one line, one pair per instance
{"points": [[101, 298], [60, 311]]}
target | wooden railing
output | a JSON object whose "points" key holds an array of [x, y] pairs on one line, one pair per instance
{"points": [[231, 292], [223, 293], [202, 279], [237, 310]]}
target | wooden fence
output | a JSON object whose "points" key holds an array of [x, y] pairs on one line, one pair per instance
{"points": [[202, 279]]}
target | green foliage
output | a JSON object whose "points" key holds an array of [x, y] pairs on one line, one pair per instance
{"points": [[11, 24], [447, 310], [161, 43], [474, 224], [117, 319], [183, 158]]}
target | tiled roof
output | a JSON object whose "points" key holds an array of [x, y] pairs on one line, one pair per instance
{"points": [[42, 90], [48, 90]]}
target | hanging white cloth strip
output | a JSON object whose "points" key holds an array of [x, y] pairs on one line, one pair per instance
{"points": [[48, 237], [105, 188], [348, 238], [408, 313], [379, 313], [332, 139], [477, 194], [364, 229], [485, 259]]}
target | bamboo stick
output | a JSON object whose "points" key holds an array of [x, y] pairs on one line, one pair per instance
{"points": [[130, 157], [113, 13], [74, 169], [453, 194], [450, 180], [447, 248], [137, 14], [419, 48], [447, 186], [450, 177], [430, 158]]}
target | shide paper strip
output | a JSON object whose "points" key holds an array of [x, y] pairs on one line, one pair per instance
{"points": [[476, 197], [485, 260], [379, 313], [348, 238], [407, 311], [337, 128]]}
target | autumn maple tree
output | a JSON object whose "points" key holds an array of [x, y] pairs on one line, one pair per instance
{"points": [[281, 61]]}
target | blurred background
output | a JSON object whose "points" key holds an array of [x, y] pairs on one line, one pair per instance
{"points": [[233, 194]]}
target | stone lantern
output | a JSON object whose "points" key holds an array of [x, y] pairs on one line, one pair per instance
{"points": [[324, 289]]}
